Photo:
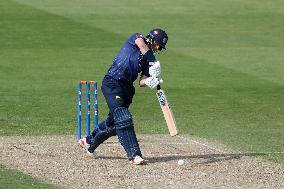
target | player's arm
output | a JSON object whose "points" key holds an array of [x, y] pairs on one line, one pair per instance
{"points": [[142, 80], [151, 82], [155, 68], [142, 45], [144, 49]]}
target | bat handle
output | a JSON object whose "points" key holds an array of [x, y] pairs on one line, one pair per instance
{"points": [[158, 87]]}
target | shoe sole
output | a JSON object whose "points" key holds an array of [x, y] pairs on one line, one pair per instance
{"points": [[140, 163]]}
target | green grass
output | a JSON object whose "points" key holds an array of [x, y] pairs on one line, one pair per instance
{"points": [[223, 70], [10, 178]]}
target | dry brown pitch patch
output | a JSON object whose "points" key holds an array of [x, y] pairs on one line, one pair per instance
{"points": [[59, 160]]}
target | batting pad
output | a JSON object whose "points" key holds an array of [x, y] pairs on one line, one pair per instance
{"points": [[125, 132]]}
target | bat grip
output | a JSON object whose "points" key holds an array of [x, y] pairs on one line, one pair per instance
{"points": [[158, 87]]}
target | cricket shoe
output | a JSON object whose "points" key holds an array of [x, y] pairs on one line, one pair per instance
{"points": [[137, 160], [83, 143], [90, 154]]}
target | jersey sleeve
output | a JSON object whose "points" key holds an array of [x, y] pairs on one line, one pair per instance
{"points": [[134, 37], [139, 35], [145, 68]]}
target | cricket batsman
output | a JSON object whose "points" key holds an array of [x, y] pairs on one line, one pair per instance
{"points": [[137, 56]]}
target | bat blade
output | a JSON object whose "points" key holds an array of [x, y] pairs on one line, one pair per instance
{"points": [[168, 114]]}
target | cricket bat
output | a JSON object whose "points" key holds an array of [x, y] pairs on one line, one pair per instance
{"points": [[166, 109]]}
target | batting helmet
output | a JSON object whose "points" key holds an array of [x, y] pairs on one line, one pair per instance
{"points": [[159, 36]]}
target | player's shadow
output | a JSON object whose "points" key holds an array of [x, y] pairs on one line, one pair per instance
{"points": [[205, 158]]}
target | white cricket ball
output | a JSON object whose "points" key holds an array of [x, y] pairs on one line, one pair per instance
{"points": [[181, 162]]}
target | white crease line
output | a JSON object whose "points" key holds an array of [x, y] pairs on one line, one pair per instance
{"points": [[202, 144], [177, 143], [216, 149], [261, 152], [196, 142], [173, 143]]}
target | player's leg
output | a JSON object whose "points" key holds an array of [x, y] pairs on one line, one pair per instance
{"points": [[111, 90], [119, 98], [125, 132], [99, 135], [125, 127], [104, 132], [108, 122]]}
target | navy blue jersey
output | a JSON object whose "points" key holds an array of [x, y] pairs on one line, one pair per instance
{"points": [[129, 62]]}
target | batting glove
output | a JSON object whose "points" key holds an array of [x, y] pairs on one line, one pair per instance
{"points": [[152, 82], [155, 69]]}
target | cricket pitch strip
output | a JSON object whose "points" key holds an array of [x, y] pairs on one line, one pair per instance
{"points": [[60, 160]]}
